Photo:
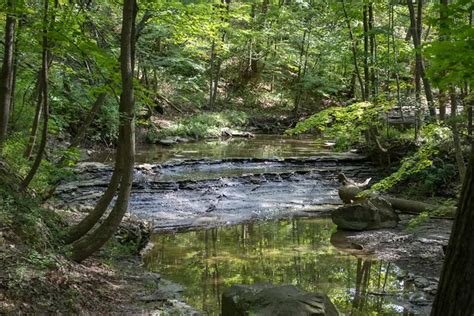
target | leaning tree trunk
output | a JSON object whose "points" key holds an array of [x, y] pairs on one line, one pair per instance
{"points": [[88, 222], [36, 120], [6, 74], [44, 100], [87, 245], [455, 290]]}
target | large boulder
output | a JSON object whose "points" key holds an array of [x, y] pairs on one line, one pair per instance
{"points": [[373, 213], [268, 299]]}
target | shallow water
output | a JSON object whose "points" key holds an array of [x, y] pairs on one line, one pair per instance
{"points": [[260, 146], [297, 252], [215, 183]]}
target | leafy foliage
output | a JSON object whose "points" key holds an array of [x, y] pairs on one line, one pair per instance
{"points": [[346, 125], [203, 125]]}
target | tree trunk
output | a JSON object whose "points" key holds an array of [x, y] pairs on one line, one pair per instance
{"points": [[414, 32], [442, 104], [88, 222], [75, 143], [6, 74], [36, 120], [373, 51], [395, 60], [456, 139], [416, 23], [443, 34], [44, 100], [354, 51], [211, 75], [366, 52], [89, 119], [297, 98], [455, 294], [87, 245]]}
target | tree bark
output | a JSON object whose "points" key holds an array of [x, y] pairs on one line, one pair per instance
{"points": [[456, 138], [211, 75], [36, 120], [88, 222], [87, 245], [455, 294], [6, 74], [366, 52], [373, 51], [354, 51], [89, 119], [443, 33], [416, 23], [44, 100]]}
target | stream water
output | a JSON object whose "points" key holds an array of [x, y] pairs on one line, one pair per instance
{"points": [[239, 213], [307, 253], [262, 146]]}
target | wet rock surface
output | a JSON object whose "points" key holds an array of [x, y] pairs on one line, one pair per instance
{"points": [[210, 193], [418, 249], [268, 299], [373, 213]]}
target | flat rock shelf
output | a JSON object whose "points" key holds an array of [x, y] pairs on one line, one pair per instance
{"points": [[209, 193]]}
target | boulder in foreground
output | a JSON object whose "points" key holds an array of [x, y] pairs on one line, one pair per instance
{"points": [[275, 300], [373, 213]]}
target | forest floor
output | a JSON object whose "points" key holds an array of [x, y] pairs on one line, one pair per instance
{"points": [[38, 283]]}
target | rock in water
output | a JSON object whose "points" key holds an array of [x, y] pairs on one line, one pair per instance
{"points": [[374, 213], [274, 300]]}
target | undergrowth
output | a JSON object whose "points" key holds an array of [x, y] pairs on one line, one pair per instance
{"points": [[200, 126]]}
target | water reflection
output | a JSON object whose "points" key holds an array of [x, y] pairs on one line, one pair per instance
{"points": [[295, 252], [261, 146]]}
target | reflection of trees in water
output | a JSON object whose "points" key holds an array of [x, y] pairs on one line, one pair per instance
{"points": [[289, 252]]}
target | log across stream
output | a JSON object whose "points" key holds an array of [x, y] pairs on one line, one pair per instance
{"points": [[251, 215]]}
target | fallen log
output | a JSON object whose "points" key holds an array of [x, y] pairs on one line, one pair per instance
{"points": [[417, 207], [350, 192]]}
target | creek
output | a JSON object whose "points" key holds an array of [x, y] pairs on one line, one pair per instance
{"points": [[244, 211]]}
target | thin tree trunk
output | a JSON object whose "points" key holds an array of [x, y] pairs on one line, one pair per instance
{"points": [[354, 50], [455, 294], [298, 78], [395, 60], [211, 75], [417, 23], [216, 81], [89, 119], [443, 34], [442, 104], [456, 139], [44, 100], [87, 245], [373, 52], [366, 52], [413, 26], [6, 74], [36, 120]]}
